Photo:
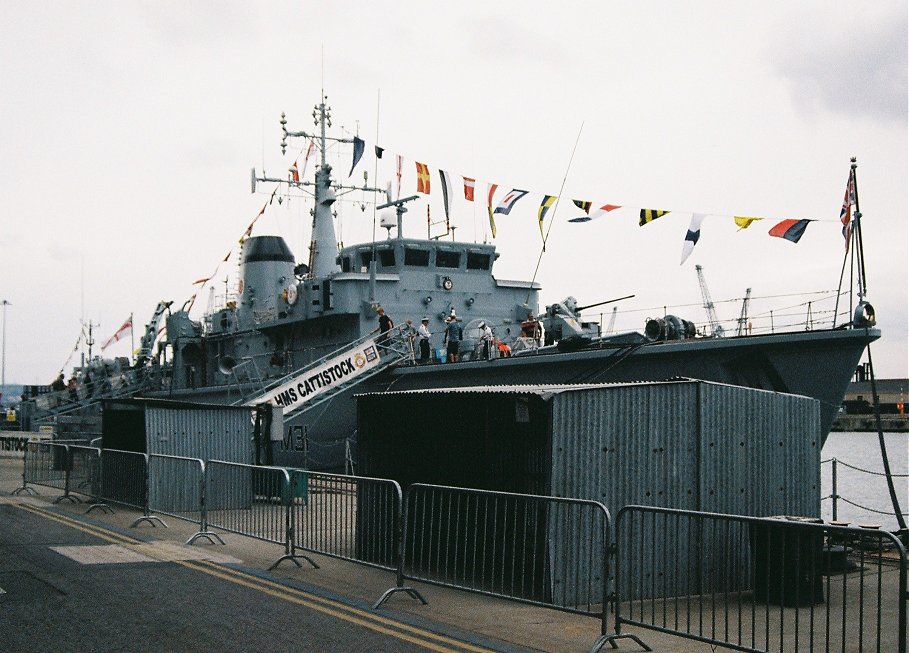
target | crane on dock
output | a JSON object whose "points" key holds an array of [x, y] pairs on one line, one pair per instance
{"points": [[715, 327], [743, 317], [611, 326]]}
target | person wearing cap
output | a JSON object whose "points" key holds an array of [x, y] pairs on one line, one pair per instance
{"points": [[486, 336], [423, 336], [453, 335]]}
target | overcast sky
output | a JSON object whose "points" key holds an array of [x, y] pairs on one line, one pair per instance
{"points": [[127, 131]]}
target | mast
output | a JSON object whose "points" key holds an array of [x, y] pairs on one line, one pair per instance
{"points": [[324, 244], [323, 248]]}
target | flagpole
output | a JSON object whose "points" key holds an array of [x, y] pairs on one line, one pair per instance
{"points": [[850, 251], [863, 279], [132, 338]]}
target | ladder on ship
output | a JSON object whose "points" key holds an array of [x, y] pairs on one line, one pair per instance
{"points": [[390, 349]]}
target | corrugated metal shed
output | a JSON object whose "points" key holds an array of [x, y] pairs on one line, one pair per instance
{"points": [[173, 428], [169, 428], [684, 444]]}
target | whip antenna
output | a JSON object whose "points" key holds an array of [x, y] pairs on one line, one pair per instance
{"points": [[554, 209]]}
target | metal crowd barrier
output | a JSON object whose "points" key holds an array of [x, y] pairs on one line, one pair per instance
{"points": [[176, 487], [254, 501], [85, 475], [547, 551], [759, 584], [47, 464], [349, 517], [124, 481]]}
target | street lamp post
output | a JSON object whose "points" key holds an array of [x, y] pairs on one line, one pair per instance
{"points": [[4, 304]]}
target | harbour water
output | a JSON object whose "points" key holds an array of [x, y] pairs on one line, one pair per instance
{"points": [[861, 449]]}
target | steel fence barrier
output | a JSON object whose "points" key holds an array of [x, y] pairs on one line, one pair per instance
{"points": [[85, 475], [47, 464], [124, 481], [760, 584], [541, 550], [254, 501], [349, 517], [176, 487]]}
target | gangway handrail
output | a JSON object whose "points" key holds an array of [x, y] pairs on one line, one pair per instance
{"points": [[393, 347]]}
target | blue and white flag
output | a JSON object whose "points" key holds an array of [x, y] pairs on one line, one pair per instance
{"points": [[693, 236], [359, 146], [446, 193], [509, 201]]}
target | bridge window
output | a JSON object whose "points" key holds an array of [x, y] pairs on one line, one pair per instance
{"points": [[477, 261], [387, 258], [448, 259], [417, 257], [345, 264]]}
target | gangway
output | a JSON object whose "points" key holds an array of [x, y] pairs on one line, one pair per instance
{"points": [[89, 396], [321, 380]]}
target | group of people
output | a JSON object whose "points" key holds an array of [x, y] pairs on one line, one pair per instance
{"points": [[454, 334], [59, 385]]}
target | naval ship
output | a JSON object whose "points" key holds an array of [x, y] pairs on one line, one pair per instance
{"points": [[302, 336]]}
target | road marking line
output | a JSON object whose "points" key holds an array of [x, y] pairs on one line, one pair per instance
{"points": [[108, 536], [292, 595], [339, 610], [102, 554]]}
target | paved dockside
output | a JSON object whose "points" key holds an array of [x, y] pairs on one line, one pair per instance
{"points": [[73, 581]]}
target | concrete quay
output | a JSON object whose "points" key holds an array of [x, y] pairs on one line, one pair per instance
{"points": [[229, 600]]}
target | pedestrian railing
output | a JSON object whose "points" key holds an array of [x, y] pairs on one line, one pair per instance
{"points": [[542, 550], [176, 487], [349, 517], [85, 475], [46, 464], [759, 584], [124, 481], [254, 501]]}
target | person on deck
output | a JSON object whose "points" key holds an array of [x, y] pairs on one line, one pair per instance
{"points": [[453, 335], [487, 338], [531, 328], [423, 336], [385, 325]]}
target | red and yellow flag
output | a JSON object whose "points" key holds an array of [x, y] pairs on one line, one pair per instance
{"points": [[422, 178]]}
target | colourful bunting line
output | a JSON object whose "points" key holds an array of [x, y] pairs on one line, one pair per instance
{"points": [[545, 205], [598, 213], [422, 178], [692, 236], [492, 221], [792, 230], [510, 200], [359, 145], [649, 215], [446, 198], [468, 188]]}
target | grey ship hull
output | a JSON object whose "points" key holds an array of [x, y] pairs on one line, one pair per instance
{"points": [[818, 364]]}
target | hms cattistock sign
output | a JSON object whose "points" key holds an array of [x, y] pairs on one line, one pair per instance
{"points": [[327, 376]]}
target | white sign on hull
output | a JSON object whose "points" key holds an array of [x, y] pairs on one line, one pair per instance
{"points": [[309, 384]]}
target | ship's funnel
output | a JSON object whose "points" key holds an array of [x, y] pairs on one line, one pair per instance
{"points": [[267, 280]]}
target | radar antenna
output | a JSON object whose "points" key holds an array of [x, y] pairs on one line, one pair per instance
{"points": [[715, 327]]}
